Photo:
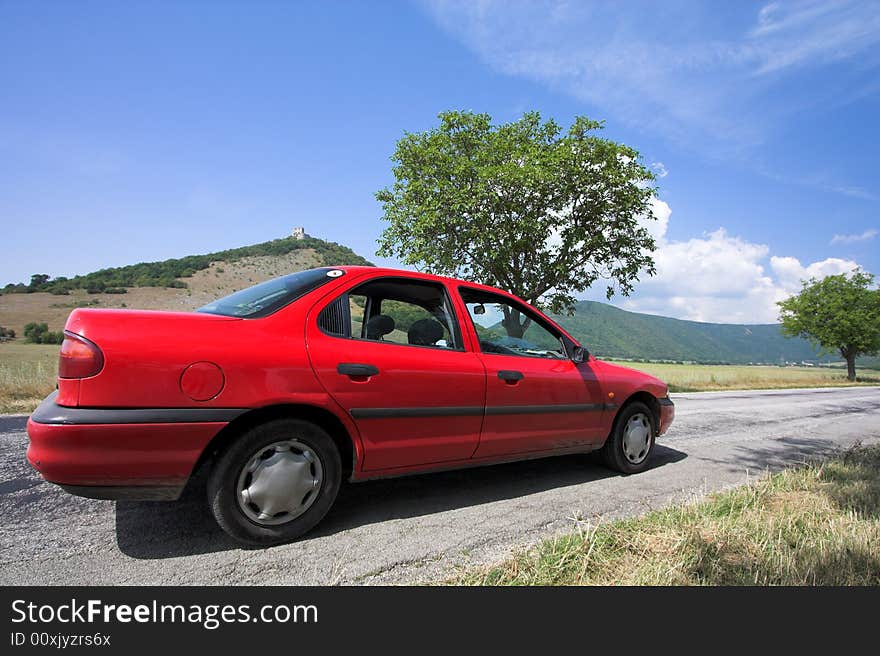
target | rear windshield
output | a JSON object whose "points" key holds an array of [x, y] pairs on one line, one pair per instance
{"points": [[268, 297]]}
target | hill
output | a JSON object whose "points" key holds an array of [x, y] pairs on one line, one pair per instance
{"points": [[610, 332], [178, 284], [169, 273]]}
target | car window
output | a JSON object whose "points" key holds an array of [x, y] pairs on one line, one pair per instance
{"points": [[357, 304], [506, 328], [267, 297], [393, 310]]}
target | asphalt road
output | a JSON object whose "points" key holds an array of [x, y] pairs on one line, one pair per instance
{"points": [[418, 528]]}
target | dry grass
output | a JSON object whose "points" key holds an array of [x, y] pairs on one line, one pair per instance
{"points": [[814, 525], [709, 377], [27, 375]]}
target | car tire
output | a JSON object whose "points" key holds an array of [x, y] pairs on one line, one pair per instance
{"points": [[275, 482], [628, 449]]}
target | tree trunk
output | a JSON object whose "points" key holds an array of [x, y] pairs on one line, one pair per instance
{"points": [[512, 323], [851, 368]]}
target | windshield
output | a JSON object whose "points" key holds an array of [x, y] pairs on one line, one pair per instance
{"points": [[268, 297]]}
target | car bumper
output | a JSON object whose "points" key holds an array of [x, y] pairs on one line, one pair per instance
{"points": [[119, 454], [667, 414]]}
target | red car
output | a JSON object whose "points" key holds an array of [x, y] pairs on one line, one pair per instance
{"points": [[285, 389]]}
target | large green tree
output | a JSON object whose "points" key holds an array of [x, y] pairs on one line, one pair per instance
{"points": [[525, 206], [838, 313]]}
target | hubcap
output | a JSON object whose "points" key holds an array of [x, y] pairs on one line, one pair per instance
{"points": [[279, 482], [637, 438]]}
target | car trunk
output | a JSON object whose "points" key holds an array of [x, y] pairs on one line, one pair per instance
{"points": [[143, 355]]}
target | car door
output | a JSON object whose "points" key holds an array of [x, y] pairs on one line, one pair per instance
{"points": [[390, 352], [537, 398]]}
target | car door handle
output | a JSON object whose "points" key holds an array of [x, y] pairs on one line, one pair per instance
{"points": [[510, 376], [354, 369]]}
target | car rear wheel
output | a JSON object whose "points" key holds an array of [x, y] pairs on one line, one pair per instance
{"points": [[631, 442], [275, 482]]}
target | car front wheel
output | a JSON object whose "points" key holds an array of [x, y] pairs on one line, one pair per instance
{"points": [[629, 446], [275, 482]]}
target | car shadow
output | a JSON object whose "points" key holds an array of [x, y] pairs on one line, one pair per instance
{"points": [[155, 529]]}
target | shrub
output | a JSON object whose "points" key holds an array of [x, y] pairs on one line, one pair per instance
{"points": [[39, 333]]}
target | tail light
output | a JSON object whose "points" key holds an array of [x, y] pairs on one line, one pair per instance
{"points": [[79, 357]]}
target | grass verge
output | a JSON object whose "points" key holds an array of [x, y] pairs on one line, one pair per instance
{"points": [[812, 525], [711, 377], [27, 375]]}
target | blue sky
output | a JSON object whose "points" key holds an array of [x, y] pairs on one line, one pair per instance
{"points": [[142, 131]]}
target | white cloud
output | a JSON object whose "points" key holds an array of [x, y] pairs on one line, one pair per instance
{"points": [[659, 169], [790, 273], [849, 239], [658, 226], [721, 278], [700, 76], [793, 34]]}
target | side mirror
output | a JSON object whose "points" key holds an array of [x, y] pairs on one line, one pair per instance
{"points": [[480, 309], [578, 354]]}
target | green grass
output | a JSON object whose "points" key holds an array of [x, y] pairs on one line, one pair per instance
{"points": [[814, 525], [709, 377], [27, 375]]}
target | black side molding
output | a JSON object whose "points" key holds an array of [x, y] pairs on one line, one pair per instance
{"points": [[474, 410], [50, 412], [445, 411], [543, 409]]}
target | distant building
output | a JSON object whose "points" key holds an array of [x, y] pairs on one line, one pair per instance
{"points": [[298, 233]]}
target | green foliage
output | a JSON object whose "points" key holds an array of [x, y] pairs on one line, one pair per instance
{"points": [[404, 314], [523, 206], [167, 272], [34, 329], [39, 333], [838, 313]]}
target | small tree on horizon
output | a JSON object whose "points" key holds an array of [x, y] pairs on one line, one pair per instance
{"points": [[839, 314], [540, 212]]}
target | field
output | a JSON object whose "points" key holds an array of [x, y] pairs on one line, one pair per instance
{"points": [[709, 377], [816, 525], [27, 375]]}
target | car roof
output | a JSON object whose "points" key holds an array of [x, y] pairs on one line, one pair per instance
{"points": [[388, 271]]}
